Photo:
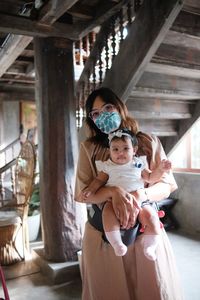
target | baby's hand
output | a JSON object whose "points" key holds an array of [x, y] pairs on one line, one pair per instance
{"points": [[86, 193], [165, 165]]}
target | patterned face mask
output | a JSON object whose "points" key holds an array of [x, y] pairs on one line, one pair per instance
{"points": [[108, 122]]}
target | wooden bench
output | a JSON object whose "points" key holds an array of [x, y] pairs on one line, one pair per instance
{"points": [[169, 220]]}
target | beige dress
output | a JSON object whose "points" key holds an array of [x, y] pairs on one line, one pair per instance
{"points": [[106, 276]]}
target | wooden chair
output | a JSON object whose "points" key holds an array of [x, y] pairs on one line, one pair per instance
{"points": [[13, 215]]}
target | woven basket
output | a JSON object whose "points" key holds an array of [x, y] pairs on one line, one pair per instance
{"points": [[8, 254]]}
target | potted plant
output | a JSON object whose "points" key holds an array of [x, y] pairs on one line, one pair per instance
{"points": [[34, 214]]}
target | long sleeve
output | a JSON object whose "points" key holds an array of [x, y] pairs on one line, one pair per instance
{"points": [[86, 168], [152, 147]]}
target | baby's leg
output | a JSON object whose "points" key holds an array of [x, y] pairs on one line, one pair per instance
{"points": [[150, 239], [150, 220], [112, 229]]}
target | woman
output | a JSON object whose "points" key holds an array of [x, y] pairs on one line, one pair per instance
{"points": [[131, 277]]}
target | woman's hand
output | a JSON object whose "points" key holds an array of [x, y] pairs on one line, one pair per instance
{"points": [[125, 207], [140, 195]]}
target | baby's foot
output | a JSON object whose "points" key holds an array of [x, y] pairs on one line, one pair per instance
{"points": [[150, 253], [150, 243], [120, 249]]}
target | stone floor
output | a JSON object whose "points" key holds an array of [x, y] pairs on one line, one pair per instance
{"points": [[37, 286], [187, 253]]}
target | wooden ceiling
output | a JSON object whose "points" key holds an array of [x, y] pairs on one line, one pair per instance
{"points": [[162, 90]]}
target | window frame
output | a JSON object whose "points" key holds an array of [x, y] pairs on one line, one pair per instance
{"points": [[188, 140]]}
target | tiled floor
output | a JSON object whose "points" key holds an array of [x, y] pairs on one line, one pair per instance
{"points": [[37, 286]]}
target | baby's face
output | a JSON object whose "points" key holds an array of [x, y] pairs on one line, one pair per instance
{"points": [[121, 151]]}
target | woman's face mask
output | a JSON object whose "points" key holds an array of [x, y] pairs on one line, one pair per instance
{"points": [[108, 122]]}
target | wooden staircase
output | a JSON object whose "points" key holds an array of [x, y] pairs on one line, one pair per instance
{"points": [[153, 69]]}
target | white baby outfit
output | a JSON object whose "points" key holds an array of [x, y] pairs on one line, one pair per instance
{"points": [[127, 176]]}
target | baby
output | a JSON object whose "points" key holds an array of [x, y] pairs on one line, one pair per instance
{"points": [[128, 171]]}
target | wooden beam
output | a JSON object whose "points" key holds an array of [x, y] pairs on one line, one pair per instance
{"points": [[4, 87], [188, 23], [102, 15], [158, 109], [47, 27], [19, 25], [163, 94], [146, 34], [158, 127], [178, 56], [184, 126], [23, 26], [159, 115], [54, 10], [17, 96], [12, 48], [182, 85], [172, 70], [15, 70], [184, 40], [192, 6], [17, 79], [172, 102]]}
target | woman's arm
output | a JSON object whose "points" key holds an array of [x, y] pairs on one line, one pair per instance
{"points": [[156, 192], [124, 204], [93, 187]]}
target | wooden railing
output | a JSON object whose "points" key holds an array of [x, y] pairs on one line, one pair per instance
{"points": [[98, 50], [9, 152], [7, 174], [7, 162]]}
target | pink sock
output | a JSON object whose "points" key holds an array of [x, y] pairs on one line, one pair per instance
{"points": [[114, 238], [150, 243]]}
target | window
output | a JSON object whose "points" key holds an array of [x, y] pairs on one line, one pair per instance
{"points": [[186, 156]]}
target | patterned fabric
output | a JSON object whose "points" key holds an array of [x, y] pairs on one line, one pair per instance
{"points": [[108, 121]]}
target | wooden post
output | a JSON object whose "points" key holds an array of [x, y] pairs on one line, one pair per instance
{"points": [[57, 133], [1, 122]]}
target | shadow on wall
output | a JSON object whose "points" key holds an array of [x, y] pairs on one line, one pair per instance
{"points": [[187, 210]]}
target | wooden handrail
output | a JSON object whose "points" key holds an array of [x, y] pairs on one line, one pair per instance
{"points": [[9, 152], [10, 145], [102, 52], [8, 166]]}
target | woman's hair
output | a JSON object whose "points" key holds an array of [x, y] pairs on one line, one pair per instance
{"points": [[107, 96]]}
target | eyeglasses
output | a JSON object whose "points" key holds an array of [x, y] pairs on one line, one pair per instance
{"points": [[94, 114]]}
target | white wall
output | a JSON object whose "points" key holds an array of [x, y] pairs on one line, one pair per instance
{"points": [[9, 131], [10, 121], [187, 209]]}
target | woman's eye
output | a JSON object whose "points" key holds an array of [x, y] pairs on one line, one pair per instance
{"points": [[108, 107], [95, 114]]}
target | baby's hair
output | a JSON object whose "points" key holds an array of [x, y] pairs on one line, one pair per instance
{"points": [[123, 134]]}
